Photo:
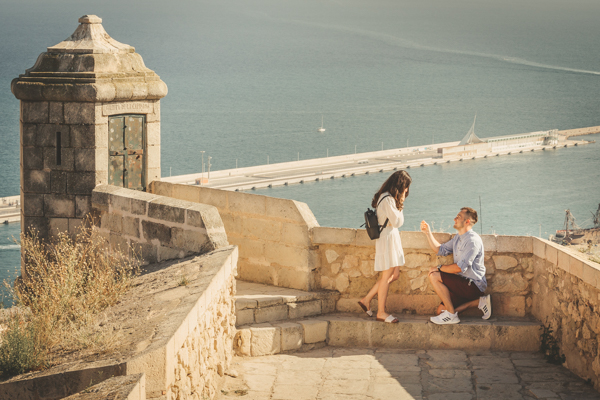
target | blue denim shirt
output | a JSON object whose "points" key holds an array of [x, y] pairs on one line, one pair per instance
{"points": [[468, 255]]}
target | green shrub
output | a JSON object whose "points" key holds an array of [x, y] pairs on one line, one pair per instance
{"points": [[19, 350]]}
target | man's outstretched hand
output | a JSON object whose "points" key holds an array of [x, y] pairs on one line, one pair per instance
{"points": [[425, 227]]}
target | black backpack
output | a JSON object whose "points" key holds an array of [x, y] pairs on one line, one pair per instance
{"points": [[372, 224]]}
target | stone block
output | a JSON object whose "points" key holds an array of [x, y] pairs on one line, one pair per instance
{"points": [[101, 177], [35, 224], [505, 262], [287, 256], [112, 222], [153, 133], [551, 254], [203, 216], [243, 342], [418, 240], [46, 135], [285, 209], [509, 283], [244, 317], [490, 243], [58, 182], [58, 205], [169, 253], [324, 235], [80, 182], [349, 333], [408, 334], [215, 197], [153, 230], [515, 244], [295, 234], [563, 260], [58, 225], [188, 240], [508, 305], [75, 225], [242, 303], [55, 113], [35, 181], [304, 309], [153, 157], [291, 335], [85, 160], [272, 313], [32, 157], [28, 135], [247, 203], [539, 248], [34, 112], [84, 137], [255, 272], [33, 205], [314, 330], [418, 260], [266, 340], [183, 192], [131, 226], [148, 253], [292, 278], [79, 113], [328, 303], [362, 239], [576, 267], [251, 248], [166, 209], [591, 274], [66, 161]]}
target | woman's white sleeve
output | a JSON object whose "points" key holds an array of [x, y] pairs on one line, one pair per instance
{"points": [[389, 209]]}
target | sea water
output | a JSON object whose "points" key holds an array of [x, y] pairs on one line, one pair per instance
{"points": [[250, 81]]}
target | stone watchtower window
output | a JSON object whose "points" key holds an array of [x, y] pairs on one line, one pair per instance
{"points": [[126, 143]]}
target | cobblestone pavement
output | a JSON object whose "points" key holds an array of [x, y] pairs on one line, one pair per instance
{"points": [[352, 374]]}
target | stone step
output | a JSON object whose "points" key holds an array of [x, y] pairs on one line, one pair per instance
{"points": [[256, 303], [412, 332]]}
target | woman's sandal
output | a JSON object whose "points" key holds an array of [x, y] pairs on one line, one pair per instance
{"points": [[390, 319], [365, 309]]}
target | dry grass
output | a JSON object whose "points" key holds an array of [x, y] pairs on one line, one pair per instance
{"points": [[66, 285]]}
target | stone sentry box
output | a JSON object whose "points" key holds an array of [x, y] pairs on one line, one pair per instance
{"points": [[77, 92]]}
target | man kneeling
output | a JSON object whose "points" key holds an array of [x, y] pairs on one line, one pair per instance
{"points": [[459, 285]]}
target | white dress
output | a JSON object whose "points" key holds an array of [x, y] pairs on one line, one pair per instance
{"points": [[388, 248]]}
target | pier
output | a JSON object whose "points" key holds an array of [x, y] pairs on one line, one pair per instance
{"points": [[10, 209], [298, 172]]}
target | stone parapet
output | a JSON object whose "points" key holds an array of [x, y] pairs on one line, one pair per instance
{"points": [[346, 259], [273, 235], [132, 387], [566, 297], [157, 228], [175, 326]]}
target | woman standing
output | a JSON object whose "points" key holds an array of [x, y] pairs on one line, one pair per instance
{"points": [[389, 256]]}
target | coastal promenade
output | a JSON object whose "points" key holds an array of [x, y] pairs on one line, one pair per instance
{"points": [[10, 209], [287, 173]]}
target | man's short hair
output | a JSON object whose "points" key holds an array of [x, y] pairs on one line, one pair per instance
{"points": [[471, 214]]}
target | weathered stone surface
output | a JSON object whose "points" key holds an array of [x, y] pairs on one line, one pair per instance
{"points": [[304, 309], [80, 182], [315, 331], [166, 209], [152, 230], [505, 262], [244, 317], [36, 181], [266, 339], [331, 255], [291, 335], [514, 283], [272, 313], [56, 205]]}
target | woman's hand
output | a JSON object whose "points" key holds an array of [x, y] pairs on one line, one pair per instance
{"points": [[395, 275], [425, 227]]}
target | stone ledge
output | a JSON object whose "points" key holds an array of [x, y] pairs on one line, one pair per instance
{"points": [[131, 387], [155, 318], [413, 332]]}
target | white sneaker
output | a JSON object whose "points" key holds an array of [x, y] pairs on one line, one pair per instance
{"points": [[445, 318], [485, 305]]}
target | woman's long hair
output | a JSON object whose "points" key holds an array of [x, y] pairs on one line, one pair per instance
{"points": [[395, 185]]}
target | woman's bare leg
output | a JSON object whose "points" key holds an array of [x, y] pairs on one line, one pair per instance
{"points": [[382, 293], [367, 299]]}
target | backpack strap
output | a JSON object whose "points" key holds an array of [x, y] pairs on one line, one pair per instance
{"points": [[387, 219]]}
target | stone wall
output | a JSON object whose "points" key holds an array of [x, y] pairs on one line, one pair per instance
{"points": [[273, 235], [177, 333], [346, 261], [157, 228], [566, 297]]}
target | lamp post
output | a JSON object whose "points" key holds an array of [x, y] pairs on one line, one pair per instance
{"points": [[209, 157], [202, 173]]}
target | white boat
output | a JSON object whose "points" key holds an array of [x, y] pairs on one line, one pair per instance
{"points": [[321, 129]]}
